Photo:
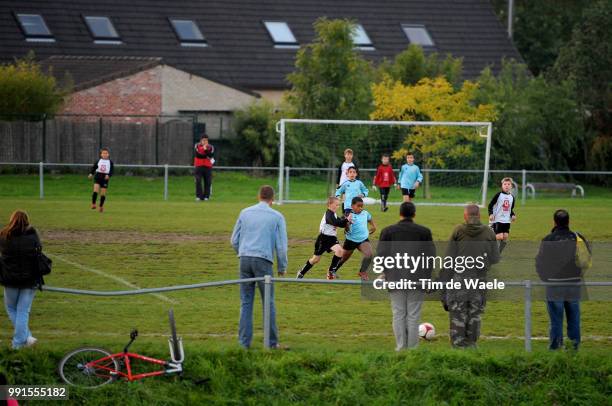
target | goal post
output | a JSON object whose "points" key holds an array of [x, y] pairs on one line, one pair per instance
{"points": [[484, 130]]}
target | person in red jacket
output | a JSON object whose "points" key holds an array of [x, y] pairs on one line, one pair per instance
{"points": [[203, 163], [384, 179]]}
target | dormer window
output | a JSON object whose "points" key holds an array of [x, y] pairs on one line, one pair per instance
{"points": [[34, 28], [102, 30], [281, 34], [188, 33]]}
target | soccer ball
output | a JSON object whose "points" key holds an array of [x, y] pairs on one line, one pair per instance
{"points": [[427, 331], [369, 200]]}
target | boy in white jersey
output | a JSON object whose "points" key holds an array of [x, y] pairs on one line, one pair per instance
{"points": [[327, 241], [101, 171], [501, 212], [357, 237], [344, 166]]}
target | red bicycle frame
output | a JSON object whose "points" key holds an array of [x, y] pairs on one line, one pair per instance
{"points": [[99, 364]]}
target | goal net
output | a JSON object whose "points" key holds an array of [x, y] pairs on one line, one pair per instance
{"points": [[453, 158]]}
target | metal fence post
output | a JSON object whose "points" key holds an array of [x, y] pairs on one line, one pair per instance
{"points": [[287, 174], [524, 187], [266, 309], [41, 175], [528, 315], [165, 181]]}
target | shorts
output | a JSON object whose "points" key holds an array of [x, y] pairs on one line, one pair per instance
{"points": [[500, 228], [352, 245], [100, 179], [408, 192], [324, 244]]}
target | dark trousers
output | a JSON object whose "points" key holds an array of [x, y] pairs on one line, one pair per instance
{"points": [[203, 173]]}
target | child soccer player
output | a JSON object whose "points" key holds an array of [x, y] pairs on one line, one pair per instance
{"points": [[410, 178], [101, 171], [501, 212], [327, 241], [357, 237], [353, 187], [344, 166], [384, 179]]}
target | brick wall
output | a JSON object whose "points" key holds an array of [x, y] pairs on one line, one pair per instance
{"points": [[138, 94]]}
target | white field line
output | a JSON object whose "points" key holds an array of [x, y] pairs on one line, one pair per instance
{"points": [[109, 276]]}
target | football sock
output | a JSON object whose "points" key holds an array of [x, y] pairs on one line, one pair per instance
{"points": [[334, 263], [365, 264], [94, 197], [338, 265], [102, 199], [502, 245], [306, 267]]}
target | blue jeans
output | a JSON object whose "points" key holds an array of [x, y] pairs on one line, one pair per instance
{"points": [[572, 312], [253, 267], [18, 303]]}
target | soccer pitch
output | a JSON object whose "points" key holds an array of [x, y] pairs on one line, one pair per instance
{"points": [[145, 242]]}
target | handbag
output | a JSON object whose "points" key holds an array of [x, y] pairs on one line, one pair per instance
{"points": [[44, 262]]}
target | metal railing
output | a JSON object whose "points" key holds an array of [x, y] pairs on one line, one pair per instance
{"points": [[524, 174], [269, 281]]}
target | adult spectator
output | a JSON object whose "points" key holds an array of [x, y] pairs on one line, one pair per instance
{"points": [[556, 263], [19, 245], [406, 237], [203, 163], [259, 231], [465, 305]]}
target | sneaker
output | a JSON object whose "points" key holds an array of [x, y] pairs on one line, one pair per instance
{"points": [[93, 206], [206, 199], [101, 209], [30, 341], [386, 208], [331, 276], [363, 276], [198, 199], [299, 275], [279, 347]]}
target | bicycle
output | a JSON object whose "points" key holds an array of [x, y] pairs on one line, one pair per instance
{"points": [[91, 367]]}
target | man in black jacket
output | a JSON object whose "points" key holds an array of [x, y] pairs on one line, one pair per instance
{"points": [[556, 263], [412, 239]]}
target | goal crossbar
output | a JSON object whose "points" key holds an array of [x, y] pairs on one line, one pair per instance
{"points": [[281, 126]]}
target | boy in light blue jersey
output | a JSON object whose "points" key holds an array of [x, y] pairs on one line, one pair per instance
{"points": [[357, 237], [353, 187], [410, 178]]}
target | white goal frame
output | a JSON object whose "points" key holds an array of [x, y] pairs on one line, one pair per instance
{"points": [[280, 128]]}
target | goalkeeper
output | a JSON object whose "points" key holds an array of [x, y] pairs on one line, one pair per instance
{"points": [[384, 179], [352, 188]]}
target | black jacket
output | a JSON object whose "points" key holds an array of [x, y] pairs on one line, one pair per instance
{"points": [[19, 256], [406, 237], [556, 259]]}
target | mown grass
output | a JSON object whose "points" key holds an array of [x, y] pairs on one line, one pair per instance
{"points": [[149, 242]]}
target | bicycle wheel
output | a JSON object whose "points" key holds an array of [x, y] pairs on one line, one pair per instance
{"points": [[73, 370], [174, 338]]}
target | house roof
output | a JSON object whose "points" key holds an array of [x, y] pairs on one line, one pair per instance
{"points": [[240, 52], [89, 71]]}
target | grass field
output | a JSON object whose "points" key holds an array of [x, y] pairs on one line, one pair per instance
{"points": [[143, 241]]}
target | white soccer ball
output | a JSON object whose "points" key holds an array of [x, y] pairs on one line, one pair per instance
{"points": [[427, 331], [369, 200]]}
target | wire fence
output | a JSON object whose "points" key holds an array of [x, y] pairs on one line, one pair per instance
{"points": [[269, 281], [313, 185]]}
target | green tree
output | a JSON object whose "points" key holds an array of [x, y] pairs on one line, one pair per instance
{"points": [[538, 124], [256, 133], [26, 90], [587, 62], [331, 79], [412, 65]]}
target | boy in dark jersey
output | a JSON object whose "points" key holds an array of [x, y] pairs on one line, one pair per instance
{"points": [[327, 241], [101, 171], [501, 212]]}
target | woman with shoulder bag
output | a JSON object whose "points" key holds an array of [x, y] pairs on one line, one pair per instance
{"points": [[20, 275]]}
